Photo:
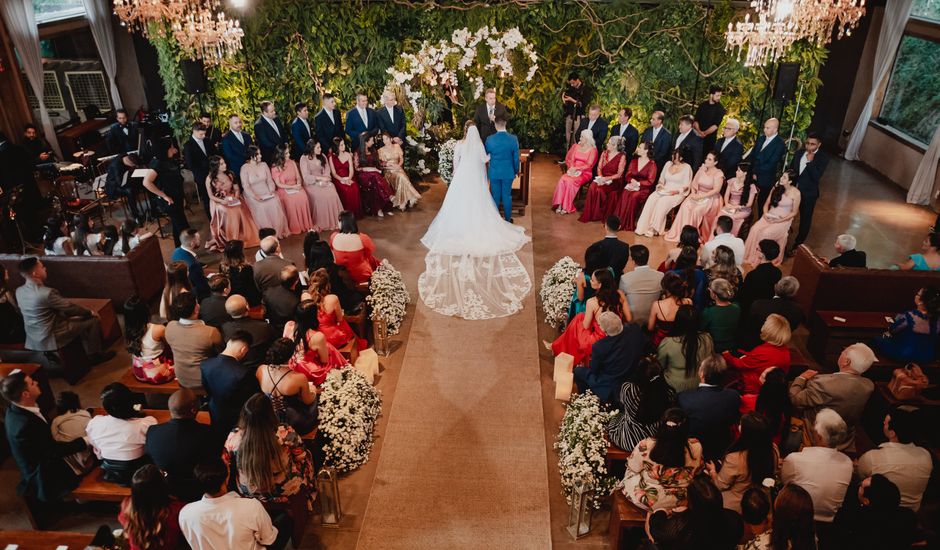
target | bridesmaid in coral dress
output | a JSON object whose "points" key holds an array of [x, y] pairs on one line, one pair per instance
{"points": [[289, 189], [606, 187], [580, 161], [341, 168], [324, 201], [673, 187], [393, 164], [738, 201], [781, 207], [330, 314], [373, 187], [260, 193], [639, 182], [231, 219], [583, 331], [700, 209], [314, 357]]}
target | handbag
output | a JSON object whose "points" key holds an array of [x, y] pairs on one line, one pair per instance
{"points": [[907, 383]]}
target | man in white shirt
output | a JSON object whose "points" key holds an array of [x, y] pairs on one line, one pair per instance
{"points": [[269, 132], [723, 237], [627, 132], [642, 286], [391, 117], [300, 131], [690, 140], [822, 470], [328, 123], [903, 463], [359, 119], [223, 520]]}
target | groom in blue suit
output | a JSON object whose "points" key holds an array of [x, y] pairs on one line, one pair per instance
{"points": [[503, 149]]}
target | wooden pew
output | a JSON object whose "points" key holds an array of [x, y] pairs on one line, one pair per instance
{"points": [[161, 415], [829, 336], [615, 455], [110, 329], [137, 386], [94, 488], [44, 540], [623, 515]]}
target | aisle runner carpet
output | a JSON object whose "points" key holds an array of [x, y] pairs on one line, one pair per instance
{"points": [[463, 462]]}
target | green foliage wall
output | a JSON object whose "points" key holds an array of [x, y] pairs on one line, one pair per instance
{"points": [[650, 57]]}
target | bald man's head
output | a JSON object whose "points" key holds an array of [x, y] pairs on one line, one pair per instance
{"points": [[269, 245], [183, 404], [771, 127], [236, 306]]}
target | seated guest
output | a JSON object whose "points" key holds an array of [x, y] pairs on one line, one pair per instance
{"points": [[342, 172], [84, 237], [593, 260], [264, 233], [294, 402], [580, 161], [192, 341], [723, 266], [314, 357], [929, 260], [38, 148], [662, 314], [393, 164], [643, 401], [177, 446], [772, 402], [353, 250], [750, 460], [240, 274], [724, 236], [223, 519], [583, 331], [44, 472], [760, 281], [269, 457], [11, 320], [689, 237], [848, 256], [783, 303], [212, 307], [152, 360], [701, 207], [177, 282], [230, 217], [325, 204], [319, 256], [792, 527], [333, 323], [912, 336], [228, 382], [190, 242], [150, 516], [660, 469], [674, 181], [267, 270], [259, 191], [641, 285], [755, 512], [779, 210], [773, 352], [639, 181], [603, 191], [286, 176], [118, 437], [68, 425], [56, 240], [683, 350], [374, 191], [821, 469], [261, 332], [899, 459], [51, 321], [881, 522], [129, 238], [615, 253], [739, 199], [711, 409], [846, 392], [686, 266], [613, 357], [281, 301], [704, 524], [721, 319]]}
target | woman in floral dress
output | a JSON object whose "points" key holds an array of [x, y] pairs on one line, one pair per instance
{"points": [[373, 187]]}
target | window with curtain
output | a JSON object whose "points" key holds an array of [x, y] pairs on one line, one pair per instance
{"points": [[926, 9], [48, 11]]}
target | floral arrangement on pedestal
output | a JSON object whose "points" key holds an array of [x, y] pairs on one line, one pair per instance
{"points": [[348, 408], [582, 448], [388, 296], [556, 291], [445, 160]]}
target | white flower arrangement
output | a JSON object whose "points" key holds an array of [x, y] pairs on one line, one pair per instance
{"points": [[388, 296], [445, 160], [582, 448], [348, 408], [557, 289]]}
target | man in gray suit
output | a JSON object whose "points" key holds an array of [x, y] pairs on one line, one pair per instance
{"points": [[845, 392], [268, 270], [51, 321], [642, 285]]}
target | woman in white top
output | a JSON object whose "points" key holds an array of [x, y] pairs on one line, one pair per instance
{"points": [[84, 238], [56, 240], [118, 438], [673, 187], [152, 359], [129, 238]]}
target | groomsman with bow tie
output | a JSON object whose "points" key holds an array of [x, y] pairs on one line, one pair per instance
{"points": [[123, 135], [269, 132], [391, 117], [329, 123], [235, 145], [359, 119], [487, 113], [300, 131], [627, 132]]}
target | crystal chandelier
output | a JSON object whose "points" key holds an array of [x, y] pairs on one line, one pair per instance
{"points": [[136, 15]]}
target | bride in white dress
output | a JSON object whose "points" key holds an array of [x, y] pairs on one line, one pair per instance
{"points": [[471, 268]]}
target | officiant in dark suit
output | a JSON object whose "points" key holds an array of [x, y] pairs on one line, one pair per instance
{"points": [[627, 132], [486, 114], [300, 131], [809, 163], [729, 148], [765, 159], [196, 153], [688, 138], [329, 123], [359, 119], [391, 117], [269, 131], [660, 137]]}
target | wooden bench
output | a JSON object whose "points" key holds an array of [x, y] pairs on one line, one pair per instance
{"points": [[110, 329], [93, 487], [615, 455], [828, 336], [136, 386], [623, 515], [44, 540], [162, 416]]}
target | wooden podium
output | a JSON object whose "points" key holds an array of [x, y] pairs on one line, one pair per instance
{"points": [[520, 186]]}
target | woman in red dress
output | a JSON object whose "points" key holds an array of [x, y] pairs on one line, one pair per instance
{"points": [[607, 185], [353, 250], [375, 192], [583, 331], [640, 180], [314, 357], [330, 314], [341, 168]]}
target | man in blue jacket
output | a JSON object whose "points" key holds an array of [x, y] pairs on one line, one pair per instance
{"points": [[712, 409], [235, 144], [613, 358], [765, 158], [300, 131], [359, 119], [503, 149], [186, 253]]}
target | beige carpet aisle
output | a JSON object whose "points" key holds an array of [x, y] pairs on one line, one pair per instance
{"points": [[463, 462]]}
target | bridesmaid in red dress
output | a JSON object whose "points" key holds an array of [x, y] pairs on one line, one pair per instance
{"points": [[353, 250], [607, 185], [314, 357], [640, 180], [583, 331], [374, 189], [330, 314], [341, 168]]}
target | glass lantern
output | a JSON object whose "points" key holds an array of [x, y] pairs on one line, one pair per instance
{"points": [[579, 514], [331, 512], [381, 337]]}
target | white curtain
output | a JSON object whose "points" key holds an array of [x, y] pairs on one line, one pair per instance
{"points": [[98, 13], [21, 22], [892, 28], [922, 184]]}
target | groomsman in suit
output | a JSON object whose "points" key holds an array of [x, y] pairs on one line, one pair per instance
{"points": [[300, 131], [486, 114], [391, 117], [688, 138], [269, 131], [729, 148], [660, 137], [359, 119], [213, 134], [708, 117], [627, 132], [809, 163], [765, 159], [329, 123], [196, 153], [123, 135], [235, 145]]}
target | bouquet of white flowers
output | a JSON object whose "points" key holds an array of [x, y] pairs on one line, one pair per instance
{"points": [[445, 160], [557, 290], [582, 448], [348, 408], [388, 296]]}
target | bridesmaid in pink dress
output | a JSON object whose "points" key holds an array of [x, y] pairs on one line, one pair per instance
{"points": [[700, 209], [781, 207], [287, 178], [342, 170], [673, 186], [580, 161], [314, 357], [260, 193], [607, 185], [324, 202], [231, 219], [737, 206], [639, 182]]}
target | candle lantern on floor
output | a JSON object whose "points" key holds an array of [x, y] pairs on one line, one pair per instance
{"points": [[328, 496], [381, 337], [579, 514]]}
